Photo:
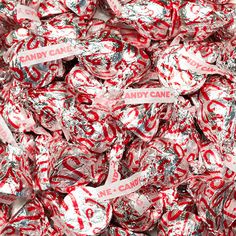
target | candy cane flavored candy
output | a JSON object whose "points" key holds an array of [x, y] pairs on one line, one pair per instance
{"points": [[85, 214]]}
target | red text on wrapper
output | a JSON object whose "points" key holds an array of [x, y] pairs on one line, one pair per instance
{"points": [[120, 188], [54, 52], [149, 95]]}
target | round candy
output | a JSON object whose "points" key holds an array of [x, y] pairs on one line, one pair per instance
{"points": [[135, 211], [83, 213], [216, 116]]}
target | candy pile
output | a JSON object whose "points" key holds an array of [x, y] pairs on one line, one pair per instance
{"points": [[118, 117]]}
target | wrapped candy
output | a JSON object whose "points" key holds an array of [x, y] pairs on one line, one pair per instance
{"points": [[164, 20], [73, 164], [84, 150], [214, 208], [216, 113], [179, 222], [122, 64], [16, 180], [135, 212], [37, 75], [82, 210]]}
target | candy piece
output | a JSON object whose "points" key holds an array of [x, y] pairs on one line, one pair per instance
{"points": [[164, 162], [179, 222], [135, 212], [172, 71], [42, 157], [51, 7], [85, 9], [48, 103], [37, 75], [211, 157], [215, 114], [214, 198], [95, 129], [16, 181], [121, 63], [164, 20], [141, 119], [180, 128], [83, 82], [73, 164], [17, 117], [62, 26], [83, 213], [113, 230], [27, 218]]}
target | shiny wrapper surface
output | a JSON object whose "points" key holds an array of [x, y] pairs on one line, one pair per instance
{"points": [[15, 179], [47, 104], [74, 165], [135, 211], [121, 63], [173, 72], [37, 75], [85, 214], [216, 115], [77, 158]]}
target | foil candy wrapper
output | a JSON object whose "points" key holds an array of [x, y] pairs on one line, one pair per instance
{"points": [[84, 9], [164, 20], [84, 214], [47, 104], [95, 129], [62, 26], [27, 217], [37, 75], [15, 174], [215, 114], [120, 63], [171, 66], [214, 208], [177, 222], [164, 162], [135, 211], [73, 165]]}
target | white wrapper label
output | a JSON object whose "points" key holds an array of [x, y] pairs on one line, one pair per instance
{"points": [[59, 51], [24, 12], [195, 63], [149, 95], [120, 188], [48, 53], [113, 174]]}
